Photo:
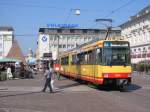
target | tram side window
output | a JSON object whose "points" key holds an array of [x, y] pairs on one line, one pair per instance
{"points": [[80, 58], [91, 56], [65, 61], [84, 58], [74, 60], [98, 56]]}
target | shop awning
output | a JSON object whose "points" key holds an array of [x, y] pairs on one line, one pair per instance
{"points": [[9, 60]]}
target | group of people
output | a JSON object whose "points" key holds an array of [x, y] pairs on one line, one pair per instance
{"points": [[16, 70], [9, 68]]}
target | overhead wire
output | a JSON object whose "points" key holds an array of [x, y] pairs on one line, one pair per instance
{"points": [[32, 5], [117, 9], [70, 10], [68, 16]]}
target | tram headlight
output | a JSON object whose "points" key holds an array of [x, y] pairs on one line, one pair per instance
{"points": [[129, 75], [105, 75]]}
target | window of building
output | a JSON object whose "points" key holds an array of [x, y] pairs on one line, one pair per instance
{"points": [[1, 37], [72, 46], [51, 37], [149, 48], [60, 46], [85, 31], [85, 38], [55, 46], [144, 49], [72, 31], [59, 31], [55, 38], [0, 45], [1, 53], [64, 46], [68, 37], [139, 49], [96, 31], [69, 46], [134, 50]]}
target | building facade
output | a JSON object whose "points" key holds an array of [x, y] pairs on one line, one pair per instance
{"points": [[6, 39], [57, 40], [137, 31], [30, 58]]}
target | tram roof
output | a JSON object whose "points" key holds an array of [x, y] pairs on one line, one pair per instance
{"points": [[87, 46]]}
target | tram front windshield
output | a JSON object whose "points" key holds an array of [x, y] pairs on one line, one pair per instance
{"points": [[116, 56]]}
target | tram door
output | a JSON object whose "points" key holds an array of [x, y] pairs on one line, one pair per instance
{"points": [[94, 67], [91, 64], [78, 65], [98, 62]]}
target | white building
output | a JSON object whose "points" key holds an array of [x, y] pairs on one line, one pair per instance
{"points": [[50, 38], [6, 39], [30, 59], [137, 31]]}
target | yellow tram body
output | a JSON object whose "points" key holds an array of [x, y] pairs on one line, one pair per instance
{"points": [[80, 63]]}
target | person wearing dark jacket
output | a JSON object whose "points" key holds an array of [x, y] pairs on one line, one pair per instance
{"points": [[48, 75]]}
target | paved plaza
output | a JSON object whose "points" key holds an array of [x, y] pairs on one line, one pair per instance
{"points": [[24, 95]]}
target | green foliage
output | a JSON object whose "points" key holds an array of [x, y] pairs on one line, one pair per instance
{"points": [[3, 76], [143, 66]]}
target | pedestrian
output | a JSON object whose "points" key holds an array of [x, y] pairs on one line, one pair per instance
{"points": [[52, 81], [9, 74], [13, 70], [48, 77]]}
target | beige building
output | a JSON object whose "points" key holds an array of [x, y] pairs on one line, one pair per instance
{"points": [[137, 31], [57, 40], [6, 39]]}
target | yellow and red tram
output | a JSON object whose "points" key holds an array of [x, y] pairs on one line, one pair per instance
{"points": [[100, 62]]}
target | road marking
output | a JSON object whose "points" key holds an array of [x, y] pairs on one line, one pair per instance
{"points": [[18, 110]]}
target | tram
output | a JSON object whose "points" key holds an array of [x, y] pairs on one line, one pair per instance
{"points": [[103, 62]]}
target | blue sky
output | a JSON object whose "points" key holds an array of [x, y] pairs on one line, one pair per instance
{"points": [[27, 16]]}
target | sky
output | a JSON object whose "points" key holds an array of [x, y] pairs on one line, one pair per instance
{"points": [[27, 16]]}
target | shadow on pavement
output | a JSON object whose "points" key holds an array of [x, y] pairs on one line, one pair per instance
{"points": [[19, 94], [70, 85], [130, 88]]}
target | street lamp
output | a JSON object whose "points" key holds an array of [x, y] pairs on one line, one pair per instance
{"points": [[77, 12]]}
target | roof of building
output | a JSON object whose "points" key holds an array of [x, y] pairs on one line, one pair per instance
{"points": [[145, 11], [44, 29], [6, 28], [15, 52]]}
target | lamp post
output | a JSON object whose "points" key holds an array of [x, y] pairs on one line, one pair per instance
{"points": [[57, 46], [58, 39]]}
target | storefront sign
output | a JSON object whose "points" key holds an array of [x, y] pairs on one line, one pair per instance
{"points": [[44, 39], [62, 25]]}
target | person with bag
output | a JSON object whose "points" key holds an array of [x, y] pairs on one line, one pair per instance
{"points": [[48, 75], [9, 74]]}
